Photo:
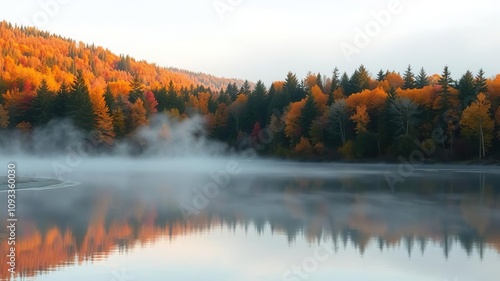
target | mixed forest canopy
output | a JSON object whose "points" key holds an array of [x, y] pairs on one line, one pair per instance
{"points": [[358, 115]]}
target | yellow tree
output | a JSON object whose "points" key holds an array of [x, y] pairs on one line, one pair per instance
{"points": [[104, 123], [361, 118], [200, 102], [119, 122], [292, 120], [236, 108], [304, 146], [423, 97], [320, 98], [311, 80], [494, 91], [374, 100], [4, 118], [137, 115], [220, 118], [477, 122], [203, 99], [392, 80]]}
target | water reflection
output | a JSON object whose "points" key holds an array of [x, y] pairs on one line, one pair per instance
{"points": [[110, 214]]}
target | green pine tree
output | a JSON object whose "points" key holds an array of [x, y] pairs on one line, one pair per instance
{"points": [[335, 84], [422, 79], [319, 81], [381, 75], [79, 104], [445, 82], [109, 98], [256, 102], [360, 80], [335, 80], [466, 89], [232, 91], [245, 88], [307, 116], [61, 100], [480, 83], [345, 84], [43, 105], [293, 89], [409, 79]]}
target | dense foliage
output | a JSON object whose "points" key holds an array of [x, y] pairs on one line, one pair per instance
{"points": [[357, 116]]}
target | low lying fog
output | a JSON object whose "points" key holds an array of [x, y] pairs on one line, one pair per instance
{"points": [[60, 151]]}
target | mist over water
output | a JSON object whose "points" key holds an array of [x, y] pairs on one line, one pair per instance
{"points": [[58, 149], [172, 198], [162, 137]]}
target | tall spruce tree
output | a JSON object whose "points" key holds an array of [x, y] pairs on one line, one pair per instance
{"points": [[169, 99], [409, 79], [445, 82], [161, 98], [344, 83], [293, 89], [79, 105], [43, 105], [381, 76], [136, 90], [422, 79], [61, 100], [109, 98], [232, 91], [335, 84], [256, 103], [279, 100], [466, 89], [480, 83], [307, 115], [445, 106], [245, 88], [360, 80], [319, 81]]}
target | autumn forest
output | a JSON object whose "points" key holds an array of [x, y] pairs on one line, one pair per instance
{"points": [[341, 116]]}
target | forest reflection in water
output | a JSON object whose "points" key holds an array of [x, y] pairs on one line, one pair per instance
{"points": [[456, 211]]}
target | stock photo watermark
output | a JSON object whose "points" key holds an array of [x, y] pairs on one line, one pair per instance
{"points": [[47, 10], [202, 196], [407, 166], [11, 218], [221, 179], [363, 36], [223, 7], [75, 154], [122, 275], [309, 265]]}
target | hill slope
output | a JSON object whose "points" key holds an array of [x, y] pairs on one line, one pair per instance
{"points": [[29, 55]]}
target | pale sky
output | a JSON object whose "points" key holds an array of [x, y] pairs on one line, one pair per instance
{"points": [[264, 39]]}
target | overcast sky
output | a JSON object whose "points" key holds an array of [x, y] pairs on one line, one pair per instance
{"points": [[264, 39]]}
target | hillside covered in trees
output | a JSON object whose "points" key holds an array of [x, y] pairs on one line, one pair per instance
{"points": [[44, 77], [30, 55]]}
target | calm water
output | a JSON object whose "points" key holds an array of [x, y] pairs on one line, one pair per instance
{"points": [[151, 220]]}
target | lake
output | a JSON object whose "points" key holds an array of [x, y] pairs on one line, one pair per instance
{"points": [[229, 219]]}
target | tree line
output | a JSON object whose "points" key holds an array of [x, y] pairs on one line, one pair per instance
{"points": [[342, 116]]}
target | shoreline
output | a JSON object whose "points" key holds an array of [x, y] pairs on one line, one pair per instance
{"points": [[25, 183]]}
